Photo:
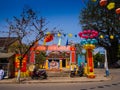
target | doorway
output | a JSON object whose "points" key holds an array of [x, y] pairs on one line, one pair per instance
{"points": [[63, 62]]}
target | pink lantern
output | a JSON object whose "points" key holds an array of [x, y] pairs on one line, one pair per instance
{"points": [[91, 36], [84, 32], [89, 31], [83, 36], [86, 37], [80, 34], [94, 35], [93, 31]]}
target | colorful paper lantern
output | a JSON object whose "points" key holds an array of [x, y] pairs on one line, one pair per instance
{"points": [[86, 37], [103, 2], [88, 40], [91, 36], [101, 36], [111, 6], [64, 35], [80, 34], [106, 36], [88, 34], [88, 31], [75, 35], [117, 11], [84, 32], [70, 35], [111, 37], [48, 38], [59, 34]]}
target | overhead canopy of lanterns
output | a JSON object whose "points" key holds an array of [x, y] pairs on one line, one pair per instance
{"points": [[88, 36], [110, 5]]}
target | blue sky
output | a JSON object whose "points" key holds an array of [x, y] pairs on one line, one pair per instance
{"points": [[63, 14]]}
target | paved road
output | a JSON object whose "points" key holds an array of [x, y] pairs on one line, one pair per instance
{"points": [[114, 84]]}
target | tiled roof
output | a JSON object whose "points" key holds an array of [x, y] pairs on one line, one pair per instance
{"points": [[6, 55], [6, 41]]}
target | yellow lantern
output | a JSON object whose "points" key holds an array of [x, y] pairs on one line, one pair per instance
{"points": [[111, 37], [111, 5], [101, 36], [59, 34], [70, 35]]}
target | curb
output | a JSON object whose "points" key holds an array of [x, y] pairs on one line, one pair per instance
{"points": [[60, 80]]}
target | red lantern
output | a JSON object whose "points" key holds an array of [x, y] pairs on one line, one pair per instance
{"points": [[103, 2], [118, 11], [48, 38]]}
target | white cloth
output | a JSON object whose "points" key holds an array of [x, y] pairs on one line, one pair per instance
{"points": [[1, 74]]}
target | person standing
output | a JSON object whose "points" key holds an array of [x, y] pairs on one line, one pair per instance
{"points": [[1, 73]]}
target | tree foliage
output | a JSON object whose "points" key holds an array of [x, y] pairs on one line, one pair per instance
{"points": [[40, 58], [106, 22]]}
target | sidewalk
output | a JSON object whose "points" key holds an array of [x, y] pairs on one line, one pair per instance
{"points": [[100, 76]]}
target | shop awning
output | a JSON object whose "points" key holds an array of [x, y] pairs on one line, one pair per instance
{"points": [[6, 55]]}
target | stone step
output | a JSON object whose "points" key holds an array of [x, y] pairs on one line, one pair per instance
{"points": [[58, 73]]}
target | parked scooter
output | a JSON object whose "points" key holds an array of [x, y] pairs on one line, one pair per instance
{"points": [[79, 72], [72, 73], [39, 74]]}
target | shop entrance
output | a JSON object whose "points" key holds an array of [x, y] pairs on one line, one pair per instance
{"points": [[53, 63], [63, 62]]}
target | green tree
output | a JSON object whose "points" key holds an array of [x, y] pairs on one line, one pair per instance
{"points": [[106, 22], [40, 58], [99, 58]]}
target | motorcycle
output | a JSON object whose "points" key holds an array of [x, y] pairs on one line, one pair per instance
{"points": [[79, 72], [72, 73], [39, 74]]}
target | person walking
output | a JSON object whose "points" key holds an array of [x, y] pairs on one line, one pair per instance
{"points": [[1, 73]]}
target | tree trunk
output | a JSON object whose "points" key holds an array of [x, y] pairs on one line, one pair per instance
{"points": [[112, 52], [18, 76]]}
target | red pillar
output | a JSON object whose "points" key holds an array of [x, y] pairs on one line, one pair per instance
{"points": [[32, 56]]}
